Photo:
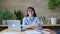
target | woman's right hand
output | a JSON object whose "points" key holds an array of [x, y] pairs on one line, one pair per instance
{"points": [[30, 27]]}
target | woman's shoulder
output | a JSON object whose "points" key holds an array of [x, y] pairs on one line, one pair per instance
{"points": [[36, 17], [25, 17]]}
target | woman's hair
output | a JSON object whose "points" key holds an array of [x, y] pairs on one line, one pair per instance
{"points": [[33, 11]]}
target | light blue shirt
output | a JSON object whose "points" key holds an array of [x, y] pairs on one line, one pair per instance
{"points": [[28, 21]]}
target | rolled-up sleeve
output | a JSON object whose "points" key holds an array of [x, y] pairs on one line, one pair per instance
{"points": [[24, 24], [39, 22]]}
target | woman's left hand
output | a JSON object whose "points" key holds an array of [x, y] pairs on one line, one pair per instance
{"points": [[35, 25]]}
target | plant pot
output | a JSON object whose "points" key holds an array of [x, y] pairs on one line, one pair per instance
{"points": [[53, 21], [4, 22]]}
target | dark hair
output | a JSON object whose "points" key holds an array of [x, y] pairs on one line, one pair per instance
{"points": [[33, 11]]}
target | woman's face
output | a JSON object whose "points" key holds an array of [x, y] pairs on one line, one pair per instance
{"points": [[30, 12]]}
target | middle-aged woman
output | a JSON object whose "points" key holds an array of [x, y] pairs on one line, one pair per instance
{"points": [[31, 20]]}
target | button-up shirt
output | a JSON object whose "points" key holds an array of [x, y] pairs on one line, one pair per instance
{"points": [[28, 21]]}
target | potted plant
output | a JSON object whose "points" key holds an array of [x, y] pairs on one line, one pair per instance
{"points": [[52, 4], [43, 20], [18, 14], [0, 16], [5, 15]]}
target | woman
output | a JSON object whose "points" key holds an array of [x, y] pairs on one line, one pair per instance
{"points": [[31, 20]]}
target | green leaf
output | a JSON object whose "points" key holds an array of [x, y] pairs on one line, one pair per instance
{"points": [[52, 4], [18, 14], [5, 14]]}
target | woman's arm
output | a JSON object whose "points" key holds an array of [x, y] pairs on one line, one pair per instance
{"points": [[25, 25], [38, 23]]}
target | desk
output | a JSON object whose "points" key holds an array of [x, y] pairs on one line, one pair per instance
{"points": [[6, 30], [42, 25], [51, 25]]}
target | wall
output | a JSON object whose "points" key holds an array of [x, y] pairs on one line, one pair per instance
{"points": [[39, 5]]}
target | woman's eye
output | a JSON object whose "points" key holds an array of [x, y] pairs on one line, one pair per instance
{"points": [[30, 11]]}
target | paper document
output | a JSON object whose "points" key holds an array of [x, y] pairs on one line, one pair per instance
{"points": [[33, 32]]}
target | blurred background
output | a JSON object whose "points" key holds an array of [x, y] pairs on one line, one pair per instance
{"points": [[41, 8]]}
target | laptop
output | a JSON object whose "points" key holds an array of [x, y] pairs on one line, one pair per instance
{"points": [[14, 25]]}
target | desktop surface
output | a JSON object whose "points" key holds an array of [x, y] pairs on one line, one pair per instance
{"points": [[21, 32]]}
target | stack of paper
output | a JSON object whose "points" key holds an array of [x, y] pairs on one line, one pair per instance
{"points": [[33, 32], [46, 32]]}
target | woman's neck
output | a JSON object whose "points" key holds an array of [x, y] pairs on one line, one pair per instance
{"points": [[30, 17]]}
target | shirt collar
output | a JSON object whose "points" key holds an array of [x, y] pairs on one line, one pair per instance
{"points": [[29, 18]]}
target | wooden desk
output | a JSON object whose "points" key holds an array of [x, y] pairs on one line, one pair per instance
{"points": [[42, 25], [6, 30], [51, 25]]}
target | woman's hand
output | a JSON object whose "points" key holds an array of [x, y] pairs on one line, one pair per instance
{"points": [[32, 26], [35, 25]]}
